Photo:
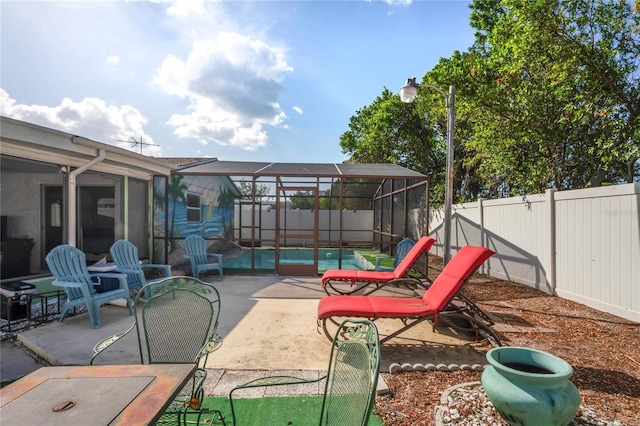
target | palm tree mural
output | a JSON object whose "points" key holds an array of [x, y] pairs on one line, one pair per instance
{"points": [[158, 226], [177, 191], [225, 204]]}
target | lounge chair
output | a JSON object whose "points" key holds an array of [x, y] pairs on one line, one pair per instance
{"points": [[350, 382], [402, 248], [436, 303], [333, 280], [69, 268], [125, 256], [195, 248]]}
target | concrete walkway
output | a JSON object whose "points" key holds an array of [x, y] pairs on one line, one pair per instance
{"points": [[269, 328]]}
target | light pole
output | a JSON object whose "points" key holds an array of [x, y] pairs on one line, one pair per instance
{"points": [[408, 93]]}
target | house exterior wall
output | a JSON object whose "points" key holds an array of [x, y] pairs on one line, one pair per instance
{"points": [[21, 201], [582, 245]]}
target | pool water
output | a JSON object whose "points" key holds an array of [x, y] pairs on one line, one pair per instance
{"points": [[327, 259]]}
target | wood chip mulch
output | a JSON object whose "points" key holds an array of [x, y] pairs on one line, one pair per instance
{"points": [[603, 349]]}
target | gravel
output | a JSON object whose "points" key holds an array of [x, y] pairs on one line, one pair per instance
{"points": [[467, 404]]}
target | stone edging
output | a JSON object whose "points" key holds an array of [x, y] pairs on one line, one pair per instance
{"points": [[397, 368]]}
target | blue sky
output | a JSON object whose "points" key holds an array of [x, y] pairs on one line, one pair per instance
{"points": [[236, 80]]}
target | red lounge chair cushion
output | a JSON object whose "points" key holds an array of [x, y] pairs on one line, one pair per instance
{"points": [[372, 307], [351, 275], [454, 274], [401, 270], [459, 268]]}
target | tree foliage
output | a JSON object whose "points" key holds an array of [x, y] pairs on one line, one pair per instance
{"points": [[547, 97]]}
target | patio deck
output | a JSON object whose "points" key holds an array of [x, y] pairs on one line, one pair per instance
{"points": [[269, 327]]}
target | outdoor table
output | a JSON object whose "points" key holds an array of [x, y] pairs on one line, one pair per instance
{"points": [[104, 284], [103, 395]]}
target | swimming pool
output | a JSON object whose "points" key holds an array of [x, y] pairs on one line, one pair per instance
{"points": [[327, 259]]}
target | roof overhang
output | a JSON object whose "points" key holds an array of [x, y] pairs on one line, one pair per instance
{"points": [[33, 142], [329, 170]]}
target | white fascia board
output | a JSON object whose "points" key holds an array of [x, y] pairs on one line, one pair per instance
{"points": [[26, 140]]}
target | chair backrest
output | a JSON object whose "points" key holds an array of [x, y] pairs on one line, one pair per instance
{"points": [[422, 245], [352, 376], [196, 246], [125, 255], [69, 264], [402, 249], [175, 317], [454, 274]]}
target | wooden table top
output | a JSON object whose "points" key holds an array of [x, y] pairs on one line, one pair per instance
{"points": [[102, 395]]}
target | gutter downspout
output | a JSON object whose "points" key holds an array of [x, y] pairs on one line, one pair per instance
{"points": [[73, 203]]}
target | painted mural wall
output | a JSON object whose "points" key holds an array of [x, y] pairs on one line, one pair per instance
{"points": [[193, 205]]}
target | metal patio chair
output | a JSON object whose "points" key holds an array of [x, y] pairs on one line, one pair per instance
{"points": [[125, 256], [195, 248], [176, 322], [69, 268], [350, 382], [402, 248]]}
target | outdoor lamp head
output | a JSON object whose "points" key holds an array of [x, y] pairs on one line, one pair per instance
{"points": [[409, 91]]}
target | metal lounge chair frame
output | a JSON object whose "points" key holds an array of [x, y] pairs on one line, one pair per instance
{"points": [[351, 379], [435, 305], [125, 256], [69, 268], [195, 248], [176, 323], [333, 280], [402, 249]]}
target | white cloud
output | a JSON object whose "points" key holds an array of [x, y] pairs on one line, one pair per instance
{"points": [[399, 2], [232, 83], [184, 8], [113, 59], [298, 110], [91, 118]]}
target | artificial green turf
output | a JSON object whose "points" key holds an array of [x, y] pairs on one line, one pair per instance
{"points": [[282, 410]]}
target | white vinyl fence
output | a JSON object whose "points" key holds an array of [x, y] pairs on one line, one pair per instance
{"points": [[582, 245]]}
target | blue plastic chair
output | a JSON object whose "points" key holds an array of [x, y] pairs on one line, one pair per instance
{"points": [[402, 249], [69, 268], [195, 248], [125, 256]]}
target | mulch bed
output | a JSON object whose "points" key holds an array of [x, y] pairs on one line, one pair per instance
{"points": [[602, 348]]}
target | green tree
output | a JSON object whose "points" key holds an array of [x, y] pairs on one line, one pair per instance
{"points": [[246, 189], [547, 97], [559, 87], [302, 200], [389, 131]]}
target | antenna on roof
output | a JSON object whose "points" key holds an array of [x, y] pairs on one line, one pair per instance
{"points": [[135, 143]]}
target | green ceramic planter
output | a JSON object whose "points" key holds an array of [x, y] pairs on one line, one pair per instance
{"points": [[530, 387]]}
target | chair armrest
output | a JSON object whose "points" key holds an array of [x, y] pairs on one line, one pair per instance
{"points": [[104, 344], [216, 255], [213, 344], [275, 381], [61, 283], [379, 258], [266, 382]]}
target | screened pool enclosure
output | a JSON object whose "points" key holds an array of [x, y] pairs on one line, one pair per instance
{"points": [[288, 218]]}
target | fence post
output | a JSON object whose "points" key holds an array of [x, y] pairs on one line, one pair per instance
{"points": [[551, 209], [481, 224]]}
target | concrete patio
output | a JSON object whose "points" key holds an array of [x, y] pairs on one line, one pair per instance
{"points": [[269, 328]]}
